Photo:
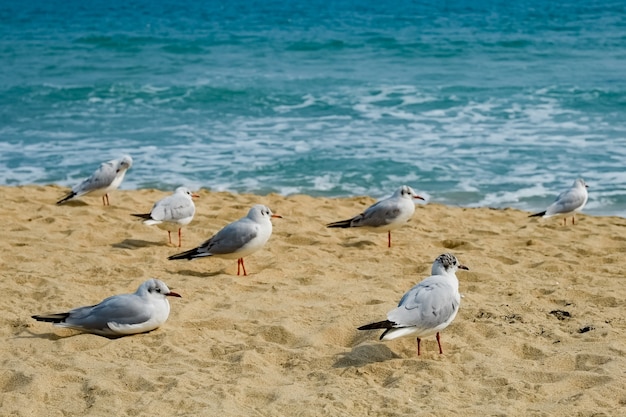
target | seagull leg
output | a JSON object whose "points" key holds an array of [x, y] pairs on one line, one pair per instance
{"points": [[418, 346], [573, 220], [439, 343], [180, 238], [240, 265], [106, 197], [565, 221], [389, 239]]}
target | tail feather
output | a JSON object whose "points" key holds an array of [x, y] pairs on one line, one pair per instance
{"points": [[69, 196], [52, 318], [146, 216], [386, 324], [190, 254], [538, 214], [342, 223]]}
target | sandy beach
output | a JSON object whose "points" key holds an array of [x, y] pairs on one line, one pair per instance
{"points": [[541, 329]]}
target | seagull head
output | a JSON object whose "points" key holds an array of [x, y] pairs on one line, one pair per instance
{"points": [[446, 264], [124, 163], [259, 211], [186, 191], [580, 183], [407, 192], [156, 288]]}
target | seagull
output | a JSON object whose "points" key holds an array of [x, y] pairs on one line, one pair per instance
{"points": [[238, 239], [119, 315], [428, 307], [568, 202], [104, 180], [172, 213], [386, 215]]}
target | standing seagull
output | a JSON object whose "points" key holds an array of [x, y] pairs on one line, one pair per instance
{"points": [[568, 202], [172, 213], [106, 179], [386, 215], [238, 239], [120, 315], [428, 307]]}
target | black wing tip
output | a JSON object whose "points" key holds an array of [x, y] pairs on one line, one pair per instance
{"points": [[51, 318], [386, 324], [183, 255], [343, 224], [66, 198], [538, 214], [146, 216]]}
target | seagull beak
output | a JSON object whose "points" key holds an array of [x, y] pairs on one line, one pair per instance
{"points": [[277, 216], [417, 197], [194, 195], [463, 267], [173, 294]]}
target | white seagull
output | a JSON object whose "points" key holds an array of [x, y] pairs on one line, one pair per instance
{"points": [[568, 202], [428, 307], [104, 180], [238, 239], [119, 315], [386, 215], [172, 213]]}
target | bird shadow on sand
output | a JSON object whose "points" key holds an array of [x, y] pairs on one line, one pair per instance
{"points": [[49, 335], [135, 244], [74, 203], [189, 272], [358, 244], [70, 333], [364, 355]]}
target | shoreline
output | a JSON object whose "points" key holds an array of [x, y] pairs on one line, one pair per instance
{"points": [[283, 340]]}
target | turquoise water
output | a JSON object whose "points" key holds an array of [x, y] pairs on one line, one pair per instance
{"points": [[499, 104]]}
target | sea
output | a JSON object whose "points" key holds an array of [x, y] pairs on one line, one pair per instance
{"points": [[472, 103]]}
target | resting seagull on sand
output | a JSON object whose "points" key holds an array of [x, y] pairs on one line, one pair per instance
{"points": [[104, 180], [172, 213], [428, 307], [386, 215], [119, 315], [568, 202], [238, 239]]}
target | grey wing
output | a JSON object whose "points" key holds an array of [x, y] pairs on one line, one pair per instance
{"points": [[120, 309], [566, 202], [232, 238], [380, 214], [101, 178], [172, 208], [426, 305]]}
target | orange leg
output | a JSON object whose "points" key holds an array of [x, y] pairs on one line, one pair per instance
{"points": [[389, 239], [240, 264], [169, 236], [439, 343], [105, 200], [180, 238]]}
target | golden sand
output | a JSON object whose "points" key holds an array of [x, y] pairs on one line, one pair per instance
{"points": [[541, 330]]}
